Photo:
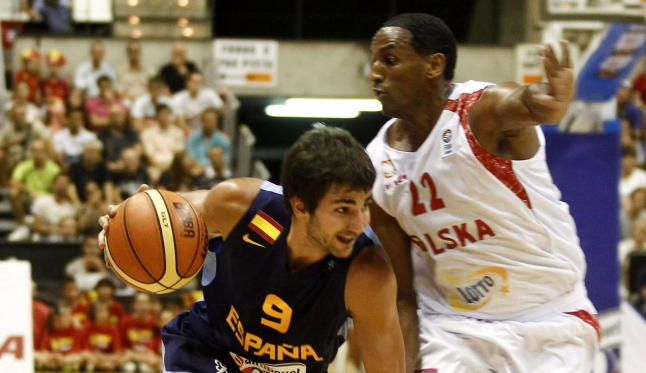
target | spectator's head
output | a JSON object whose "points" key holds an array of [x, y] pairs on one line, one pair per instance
{"points": [[194, 82], [210, 121], [93, 194], [628, 160], [178, 54], [61, 186], [105, 290], [133, 50], [639, 230], [76, 119], [31, 60], [60, 318], [97, 52], [76, 99], [39, 152], [18, 115], [69, 291], [92, 153], [100, 312], [216, 157], [68, 228], [105, 85], [638, 199], [55, 60], [164, 115], [117, 117], [21, 91], [626, 136], [624, 93], [91, 246], [141, 306], [131, 160], [157, 87]]}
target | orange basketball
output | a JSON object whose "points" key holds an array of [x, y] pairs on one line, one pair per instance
{"points": [[156, 242]]}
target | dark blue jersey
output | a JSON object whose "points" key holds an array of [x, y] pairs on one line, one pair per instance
{"points": [[260, 311]]}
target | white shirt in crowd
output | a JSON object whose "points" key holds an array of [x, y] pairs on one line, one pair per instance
{"points": [[143, 106], [72, 145], [191, 107], [85, 77], [636, 179], [51, 211]]}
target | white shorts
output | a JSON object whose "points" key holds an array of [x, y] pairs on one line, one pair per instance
{"points": [[457, 344]]}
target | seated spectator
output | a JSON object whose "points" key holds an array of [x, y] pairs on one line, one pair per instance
{"points": [[29, 73], [40, 314], [632, 177], [175, 73], [91, 169], [94, 207], [638, 298], [133, 76], [98, 107], [206, 137], [31, 178], [183, 174], [117, 136], [68, 231], [15, 137], [161, 142], [88, 72], [56, 13], [218, 166], [76, 99], [72, 298], [102, 339], [89, 268], [20, 96], [50, 209], [70, 141], [191, 102], [140, 333], [127, 181], [627, 110], [55, 91], [62, 345], [634, 209], [105, 294], [144, 107]]}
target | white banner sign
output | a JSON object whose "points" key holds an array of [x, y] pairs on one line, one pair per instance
{"points": [[250, 63], [16, 345]]}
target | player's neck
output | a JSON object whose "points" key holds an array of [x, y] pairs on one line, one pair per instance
{"points": [[301, 251]]}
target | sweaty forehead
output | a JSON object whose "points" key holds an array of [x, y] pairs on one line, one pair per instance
{"points": [[391, 37]]}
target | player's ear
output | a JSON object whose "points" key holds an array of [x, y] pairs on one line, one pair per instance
{"points": [[435, 65], [298, 206]]}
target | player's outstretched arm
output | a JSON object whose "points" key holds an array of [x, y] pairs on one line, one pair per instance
{"points": [[370, 297], [397, 245]]}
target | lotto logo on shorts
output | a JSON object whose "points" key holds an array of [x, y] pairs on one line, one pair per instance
{"points": [[247, 366], [475, 290]]}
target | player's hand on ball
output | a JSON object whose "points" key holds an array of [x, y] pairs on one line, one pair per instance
{"points": [[104, 221]]}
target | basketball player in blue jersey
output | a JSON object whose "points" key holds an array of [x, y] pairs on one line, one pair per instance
{"points": [[289, 268]]}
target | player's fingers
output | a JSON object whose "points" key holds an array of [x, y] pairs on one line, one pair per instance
{"points": [[101, 239], [565, 50], [112, 210], [550, 58], [143, 188]]}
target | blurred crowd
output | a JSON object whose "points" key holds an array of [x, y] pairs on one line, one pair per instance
{"points": [[631, 109], [70, 147]]}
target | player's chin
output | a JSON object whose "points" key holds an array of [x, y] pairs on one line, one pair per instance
{"points": [[343, 246]]}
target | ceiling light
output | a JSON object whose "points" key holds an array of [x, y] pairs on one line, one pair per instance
{"points": [[309, 111], [358, 104], [133, 2], [187, 32], [133, 20]]}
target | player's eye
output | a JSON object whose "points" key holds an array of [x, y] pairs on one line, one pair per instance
{"points": [[390, 60], [341, 210]]}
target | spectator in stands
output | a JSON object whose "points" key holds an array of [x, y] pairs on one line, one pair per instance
{"points": [[98, 108], [133, 76], [144, 107], [31, 178], [70, 141], [141, 340], [76, 99], [56, 13], [218, 166], [175, 73], [29, 73], [102, 339], [89, 268], [87, 73], [634, 209], [627, 110], [632, 177], [161, 142], [50, 209], [63, 343], [229, 111], [105, 293], [627, 139], [636, 242], [15, 137], [127, 181], [91, 169], [21, 96], [639, 84], [117, 136], [55, 90], [638, 299], [72, 298], [95, 206], [208, 136], [40, 313], [68, 231], [194, 100], [183, 174]]}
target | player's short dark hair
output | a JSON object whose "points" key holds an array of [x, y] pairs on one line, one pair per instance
{"points": [[322, 157], [430, 35]]}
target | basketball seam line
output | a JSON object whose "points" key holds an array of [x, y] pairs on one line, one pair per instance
{"points": [[132, 247], [161, 234], [170, 221], [199, 240]]}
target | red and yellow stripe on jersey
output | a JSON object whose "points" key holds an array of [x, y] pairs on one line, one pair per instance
{"points": [[266, 226]]}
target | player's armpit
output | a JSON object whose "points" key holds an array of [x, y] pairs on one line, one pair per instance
{"points": [[398, 246], [370, 297], [225, 204]]}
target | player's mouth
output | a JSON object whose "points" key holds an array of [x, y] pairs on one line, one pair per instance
{"points": [[380, 93], [346, 239]]}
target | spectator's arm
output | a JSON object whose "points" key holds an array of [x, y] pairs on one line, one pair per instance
{"points": [[98, 121], [41, 226]]}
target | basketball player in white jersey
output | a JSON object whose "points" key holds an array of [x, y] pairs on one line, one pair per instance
{"points": [[489, 268]]}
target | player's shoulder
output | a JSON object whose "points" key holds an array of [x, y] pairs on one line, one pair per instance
{"points": [[370, 268]]}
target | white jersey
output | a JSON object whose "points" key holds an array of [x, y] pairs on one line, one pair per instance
{"points": [[491, 238]]}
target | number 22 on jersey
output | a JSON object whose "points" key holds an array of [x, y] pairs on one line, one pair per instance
{"points": [[436, 202]]}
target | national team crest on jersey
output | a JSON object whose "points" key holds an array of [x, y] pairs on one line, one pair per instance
{"points": [[388, 168], [266, 227], [447, 143], [476, 289]]}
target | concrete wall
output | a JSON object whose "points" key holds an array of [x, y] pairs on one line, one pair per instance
{"points": [[322, 68]]}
